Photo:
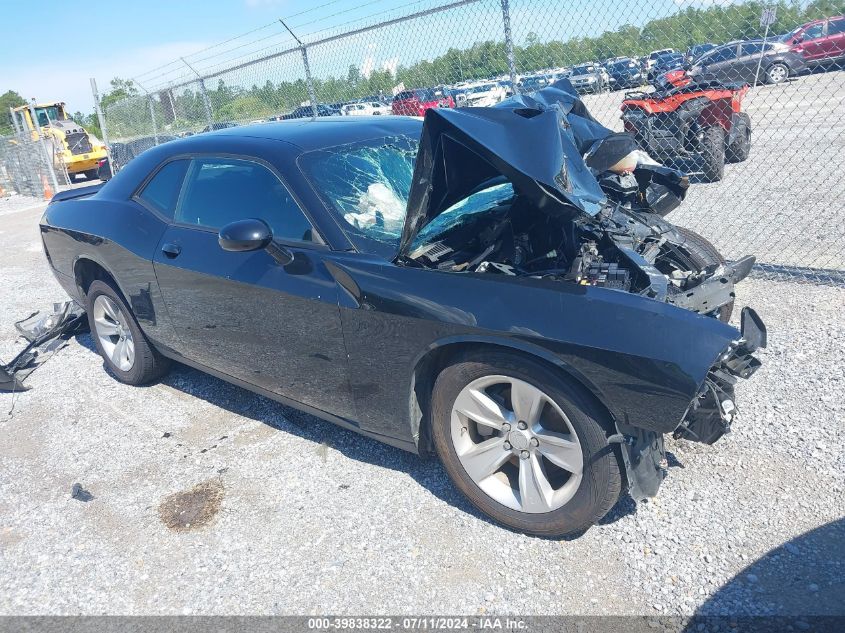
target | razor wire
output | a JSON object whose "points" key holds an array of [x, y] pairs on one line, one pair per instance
{"points": [[783, 203]]}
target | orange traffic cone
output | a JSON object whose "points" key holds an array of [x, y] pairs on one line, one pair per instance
{"points": [[48, 190]]}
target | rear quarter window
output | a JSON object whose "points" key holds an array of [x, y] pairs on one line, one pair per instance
{"points": [[162, 191]]}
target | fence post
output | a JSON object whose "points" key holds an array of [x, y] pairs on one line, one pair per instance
{"points": [[12, 114], [153, 117], [309, 82], [102, 121], [37, 129], [205, 102], [152, 110], [506, 20]]}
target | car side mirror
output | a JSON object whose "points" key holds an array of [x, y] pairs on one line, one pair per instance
{"points": [[252, 234]]}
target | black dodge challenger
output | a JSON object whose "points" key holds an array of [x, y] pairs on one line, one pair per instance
{"points": [[494, 285]]}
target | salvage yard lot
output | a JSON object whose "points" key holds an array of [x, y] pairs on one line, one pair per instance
{"points": [[289, 514]]}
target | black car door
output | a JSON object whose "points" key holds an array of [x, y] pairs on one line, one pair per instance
{"points": [[242, 313]]}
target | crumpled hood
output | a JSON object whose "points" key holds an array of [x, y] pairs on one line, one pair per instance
{"points": [[536, 141]]}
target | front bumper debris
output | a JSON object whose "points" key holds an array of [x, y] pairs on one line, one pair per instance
{"points": [[45, 334], [713, 410]]}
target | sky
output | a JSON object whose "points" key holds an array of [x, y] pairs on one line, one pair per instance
{"points": [[49, 50]]}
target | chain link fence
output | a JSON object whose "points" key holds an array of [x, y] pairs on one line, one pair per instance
{"points": [[25, 169], [767, 182]]}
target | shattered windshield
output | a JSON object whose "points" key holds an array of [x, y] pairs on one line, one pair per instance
{"points": [[366, 186]]}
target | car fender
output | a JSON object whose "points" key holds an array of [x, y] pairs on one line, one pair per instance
{"points": [[505, 343]]}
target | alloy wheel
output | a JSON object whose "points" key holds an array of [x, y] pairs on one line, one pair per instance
{"points": [[778, 73], [516, 444], [112, 330]]}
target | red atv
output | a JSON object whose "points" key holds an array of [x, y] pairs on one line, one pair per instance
{"points": [[685, 116]]}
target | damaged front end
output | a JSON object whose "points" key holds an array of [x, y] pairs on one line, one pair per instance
{"points": [[712, 411], [536, 188]]}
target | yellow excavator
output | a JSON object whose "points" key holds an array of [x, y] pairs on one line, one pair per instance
{"points": [[71, 146]]}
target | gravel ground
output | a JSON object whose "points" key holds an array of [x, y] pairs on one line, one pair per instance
{"points": [[199, 497]]}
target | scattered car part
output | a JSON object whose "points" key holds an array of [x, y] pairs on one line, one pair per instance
{"points": [[45, 335]]}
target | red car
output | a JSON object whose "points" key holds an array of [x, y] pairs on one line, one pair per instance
{"points": [[415, 102], [820, 41]]}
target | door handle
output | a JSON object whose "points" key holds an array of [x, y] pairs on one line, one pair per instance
{"points": [[171, 250]]}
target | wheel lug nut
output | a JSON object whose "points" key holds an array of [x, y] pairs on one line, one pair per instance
{"points": [[507, 446], [524, 454], [522, 425], [535, 441], [506, 427]]}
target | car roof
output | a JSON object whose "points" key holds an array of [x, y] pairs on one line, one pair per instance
{"points": [[309, 134]]}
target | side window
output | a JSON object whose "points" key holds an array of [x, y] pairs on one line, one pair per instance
{"points": [[813, 32], [223, 190], [725, 54], [836, 27], [751, 48], [162, 192]]}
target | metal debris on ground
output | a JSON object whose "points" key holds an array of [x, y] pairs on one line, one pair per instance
{"points": [[45, 335], [79, 493]]}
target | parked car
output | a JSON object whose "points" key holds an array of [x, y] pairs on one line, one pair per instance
{"points": [[589, 78], [686, 117], [694, 52], [307, 111], [665, 63], [532, 83], [539, 337], [480, 95], [651, 58], [626, 73], [820, 42], [220, 125], [738, 62], [368, 108], [415, 102], [123, 152]]}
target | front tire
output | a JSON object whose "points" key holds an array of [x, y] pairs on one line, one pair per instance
{"points": [[703, 254], [777, 73], [526, 447], [739, 150], [713, 153], [127, 353]]}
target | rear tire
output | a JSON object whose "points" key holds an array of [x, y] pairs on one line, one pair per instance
{"points": [[777, 73], [91, 174], [703, 254], [713, 153], [579, 492], [107, 313], [739, 150]]}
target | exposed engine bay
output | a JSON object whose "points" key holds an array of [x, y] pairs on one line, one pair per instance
{"points": [[627, 246]]}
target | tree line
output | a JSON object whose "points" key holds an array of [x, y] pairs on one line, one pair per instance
{"points": [[128, 112]]}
